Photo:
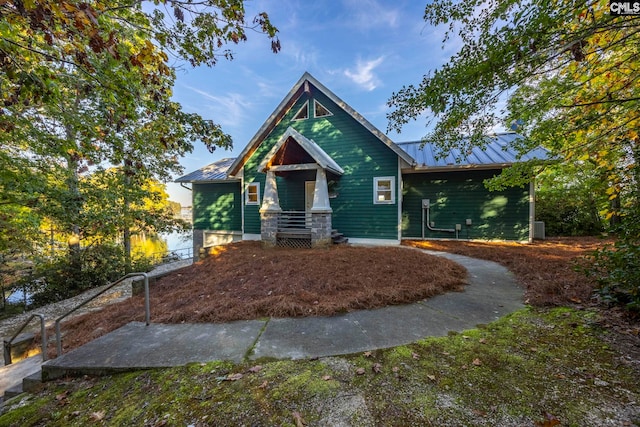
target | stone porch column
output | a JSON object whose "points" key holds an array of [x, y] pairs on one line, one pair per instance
{"points": [[269, 211]]}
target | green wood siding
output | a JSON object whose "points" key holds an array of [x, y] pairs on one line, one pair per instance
{"points": [[458, 196], [291, 189], [356, 150], [217, 206]]}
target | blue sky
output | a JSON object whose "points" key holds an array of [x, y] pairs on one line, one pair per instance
{"points": [[362, 50]]}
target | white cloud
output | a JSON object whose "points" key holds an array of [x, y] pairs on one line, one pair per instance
{"points": [[371, 14], [363, 74], [227, 110]]}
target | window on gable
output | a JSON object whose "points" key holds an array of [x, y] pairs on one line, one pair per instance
{"points": [[303, 112], [320, 110], [384, 190], [252, 195]]}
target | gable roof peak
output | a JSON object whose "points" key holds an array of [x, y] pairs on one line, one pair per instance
{"points": [[288, 101]]}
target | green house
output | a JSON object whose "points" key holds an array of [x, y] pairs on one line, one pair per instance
{"points": [[318, 172]]}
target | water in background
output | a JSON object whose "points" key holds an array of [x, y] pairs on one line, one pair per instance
{"points": [[177, 240]]}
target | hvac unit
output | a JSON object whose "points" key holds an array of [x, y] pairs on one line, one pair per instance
{"points": [[538, 230]]}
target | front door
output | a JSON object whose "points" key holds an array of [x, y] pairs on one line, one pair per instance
{"points": [[309, 189]]}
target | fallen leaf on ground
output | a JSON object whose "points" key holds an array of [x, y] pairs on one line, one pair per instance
{"points": [[97, 416], [234, 377], [549, 421], [326, 377], [415, 355], [255, 369], [298, 419], [264, 384], [431, 377], [367, 354], [360, 371], [376, 368], [477, 362], [482, 341]]}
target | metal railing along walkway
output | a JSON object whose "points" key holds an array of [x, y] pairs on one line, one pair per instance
{"points": [[130, 275]]}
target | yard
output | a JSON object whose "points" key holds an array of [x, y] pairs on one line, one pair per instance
{"points": [[246, 281], [540, 366]]}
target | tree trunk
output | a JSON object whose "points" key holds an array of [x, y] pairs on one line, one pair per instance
{"points": [[126, 235], [74, 207]]}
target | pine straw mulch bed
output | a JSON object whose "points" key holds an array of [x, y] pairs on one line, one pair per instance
{"points": [[549, 270], [244, 281]]}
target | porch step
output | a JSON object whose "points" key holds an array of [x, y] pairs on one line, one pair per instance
{"points": [[338, 238]]}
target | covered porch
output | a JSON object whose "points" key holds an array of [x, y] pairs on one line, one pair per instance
{"points": [[300, 161]]}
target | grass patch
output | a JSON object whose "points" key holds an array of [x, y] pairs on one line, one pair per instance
{"points": [[511, 372]]}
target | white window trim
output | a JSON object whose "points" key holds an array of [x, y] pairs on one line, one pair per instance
{"points": [[305, 105], [392, 188], [246, 194], [315, 102]]}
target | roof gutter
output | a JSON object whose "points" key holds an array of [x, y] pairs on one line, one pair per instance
{"points": [[451, 168]]}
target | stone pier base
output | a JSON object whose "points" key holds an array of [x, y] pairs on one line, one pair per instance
{"points": [[269, 228], [320, 229]]}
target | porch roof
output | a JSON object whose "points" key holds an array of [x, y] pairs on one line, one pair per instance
{"points": [[318, 155]]}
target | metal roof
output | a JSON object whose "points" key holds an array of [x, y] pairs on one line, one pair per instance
{"points": [[499, 151], [216, 171]]}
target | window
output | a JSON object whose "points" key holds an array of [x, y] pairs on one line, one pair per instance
{"points": [[303, 112], [252, 195], [320, 110], [384, 190]]}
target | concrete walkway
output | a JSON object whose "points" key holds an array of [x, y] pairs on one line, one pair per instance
{"points": [[492, 293]]}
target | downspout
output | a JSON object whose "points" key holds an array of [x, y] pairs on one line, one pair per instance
{"points": [[185, 187], [532, 209]]}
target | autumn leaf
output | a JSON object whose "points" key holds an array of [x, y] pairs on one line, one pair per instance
{"points": [[298, 419], [376, 368], [360, 371], [367, 354], [549, 421], [326, 377], [477, 362], [255, 369], [264, 385], [234, 377], [97, 416], [415, 355], [62, 395], [431, 377]]}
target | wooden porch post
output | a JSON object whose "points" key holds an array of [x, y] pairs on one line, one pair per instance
{"points": [[270, 200], [321, 193]]}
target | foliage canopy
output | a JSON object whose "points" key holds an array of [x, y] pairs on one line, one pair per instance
{"points": [[85, 100], [565, 74]]}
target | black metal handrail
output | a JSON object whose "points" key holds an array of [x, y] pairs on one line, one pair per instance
{"points": [[43, 333], [146, 306]]}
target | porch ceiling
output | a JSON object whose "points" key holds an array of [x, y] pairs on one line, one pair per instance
{"points": [[294, 148]]}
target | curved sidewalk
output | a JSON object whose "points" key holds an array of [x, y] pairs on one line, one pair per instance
{"points": [[492, 292]]}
